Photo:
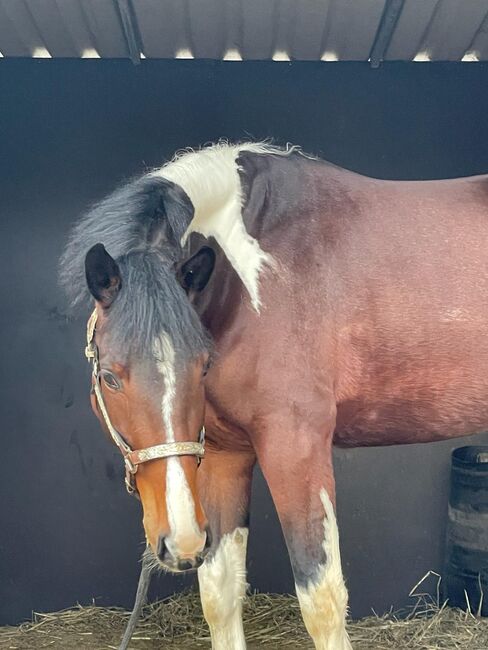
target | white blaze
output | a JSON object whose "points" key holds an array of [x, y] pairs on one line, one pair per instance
{"points": [[324, 601], [185, 538], [165, 361]]}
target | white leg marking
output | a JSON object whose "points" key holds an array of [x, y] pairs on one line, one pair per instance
{"points": [[222, 580], [210, 179], [186, 539], [324, 601]]}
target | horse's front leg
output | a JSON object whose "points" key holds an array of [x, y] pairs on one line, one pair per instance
{"points": [[296, 460], [225, 487]]}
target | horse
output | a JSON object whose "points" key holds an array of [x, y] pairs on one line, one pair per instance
{"points": [[287, 305]]}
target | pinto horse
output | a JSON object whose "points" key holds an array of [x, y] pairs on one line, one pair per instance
{"points": [[289, 305]]}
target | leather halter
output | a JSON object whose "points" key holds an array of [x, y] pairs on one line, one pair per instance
{"points": [[133, 457]]}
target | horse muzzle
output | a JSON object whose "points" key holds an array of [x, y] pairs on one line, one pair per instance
{"points": [[181, 564]]}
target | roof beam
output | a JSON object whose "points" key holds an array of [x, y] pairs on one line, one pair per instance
{"points": [[389, 19], [131, 32]]}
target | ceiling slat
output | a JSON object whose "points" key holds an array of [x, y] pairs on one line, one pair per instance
{"points": [[452, 28], [52, 28], [206, 25], [76, 24], [24, 25], [352, 29], [410, 29], [479, 44], [11, 43], [258, 28], [106, 29], [307, 29], [161, 27]]}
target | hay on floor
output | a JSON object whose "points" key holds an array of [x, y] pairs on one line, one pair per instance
{"points": [[271, 621]]}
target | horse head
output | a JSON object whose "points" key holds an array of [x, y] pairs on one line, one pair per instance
{"points": [[150, 356]]}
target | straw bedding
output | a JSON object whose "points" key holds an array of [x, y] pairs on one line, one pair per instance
{"points": [[271, 621]]}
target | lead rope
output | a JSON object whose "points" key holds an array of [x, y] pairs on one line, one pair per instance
{"points": [[141, 599]]}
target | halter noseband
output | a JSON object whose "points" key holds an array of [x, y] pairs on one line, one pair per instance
{"points": [[133, 457]]}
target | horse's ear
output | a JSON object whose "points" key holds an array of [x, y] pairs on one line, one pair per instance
{"points": [[194, 274], [166, 212], [102, 275]]}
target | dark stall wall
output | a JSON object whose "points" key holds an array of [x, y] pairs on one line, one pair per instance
{"points": [[72, 130]]}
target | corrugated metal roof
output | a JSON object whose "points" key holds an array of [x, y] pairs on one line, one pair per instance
{"points": [[329, 30]]}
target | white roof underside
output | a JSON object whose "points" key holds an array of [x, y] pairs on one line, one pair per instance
{"points": [[312, 30]]}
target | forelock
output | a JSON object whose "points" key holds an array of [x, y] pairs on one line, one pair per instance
{"points": [[150, 306]]}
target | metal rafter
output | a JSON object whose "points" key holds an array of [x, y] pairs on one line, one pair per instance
{"points": [[389, 20], [131, 31]]}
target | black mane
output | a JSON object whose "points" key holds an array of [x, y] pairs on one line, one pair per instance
{"points": [[148, 213], [152, 302], [140, 225]]}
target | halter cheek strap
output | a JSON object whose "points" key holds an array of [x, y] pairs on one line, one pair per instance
{"points": [[133, 457]]}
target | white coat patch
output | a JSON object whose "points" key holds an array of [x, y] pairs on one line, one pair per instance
{"points": [[324, 601], [186, 539], [222, 580], [210, 179]]}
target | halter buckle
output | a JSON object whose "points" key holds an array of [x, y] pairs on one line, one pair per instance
{"points": [[129, 483], [129, 465], [90, 351]]}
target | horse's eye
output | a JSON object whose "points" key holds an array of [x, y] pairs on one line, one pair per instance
{"points": [[111, 380]]}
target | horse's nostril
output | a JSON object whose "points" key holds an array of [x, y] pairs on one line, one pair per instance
{"points": [[198, 561], [208, 540], [162, 549], [184, 565]]}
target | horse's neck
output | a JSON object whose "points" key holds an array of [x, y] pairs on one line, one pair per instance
{"points": [[210, 178]]}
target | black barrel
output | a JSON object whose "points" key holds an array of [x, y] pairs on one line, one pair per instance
{"points": [[466, 573]]}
